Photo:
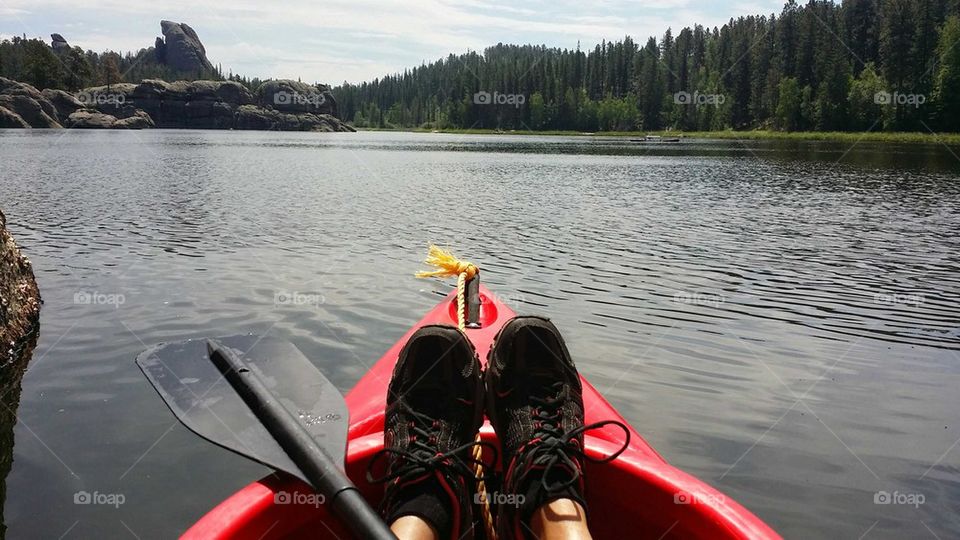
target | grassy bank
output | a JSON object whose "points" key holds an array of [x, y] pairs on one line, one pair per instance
{"points": [[841, 136]]}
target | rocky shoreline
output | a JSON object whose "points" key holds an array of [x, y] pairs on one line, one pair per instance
{"points": [[19, 299], [277, 105], [19, 324]]}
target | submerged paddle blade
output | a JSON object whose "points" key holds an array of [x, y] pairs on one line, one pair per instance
{"points": [[204, 401]]}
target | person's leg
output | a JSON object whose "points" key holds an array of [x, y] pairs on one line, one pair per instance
{"points": [[414, 528], [535, 403], [561, 519], [434, 410]]}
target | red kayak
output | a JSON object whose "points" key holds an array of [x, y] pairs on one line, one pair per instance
{"points": [[638, 495]]}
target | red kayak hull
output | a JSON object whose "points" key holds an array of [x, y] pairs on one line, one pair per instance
{"points": [[638, 495]]}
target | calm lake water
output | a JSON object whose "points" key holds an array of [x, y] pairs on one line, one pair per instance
{"points": [[779, 319]]}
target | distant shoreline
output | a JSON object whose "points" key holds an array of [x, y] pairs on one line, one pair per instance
{"points": [[835, 136]]}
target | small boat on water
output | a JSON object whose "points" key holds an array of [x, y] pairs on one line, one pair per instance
{"points": [[637, 495], [657, 139]]}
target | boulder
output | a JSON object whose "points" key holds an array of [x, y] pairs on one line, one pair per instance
{"points": [[30, 110], [10, 119], [234, 93], [58, 43], [138, 120], [253, 117], [182, 49], [194, 90], [14, 88], [151, 89], [118, 93], [19, 297], [91, 119], [296, 97], [65, 103]]}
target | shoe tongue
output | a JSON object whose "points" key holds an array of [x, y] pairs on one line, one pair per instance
{"points": [[542, 378], [429, 399]]}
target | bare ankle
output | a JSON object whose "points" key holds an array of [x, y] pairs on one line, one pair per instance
{"points": [[413, 528], [562, 519]]}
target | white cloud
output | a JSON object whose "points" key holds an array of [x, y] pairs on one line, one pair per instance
{"points": [[359, 39]]}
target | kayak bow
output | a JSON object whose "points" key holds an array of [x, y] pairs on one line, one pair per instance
{"points": [[638, 495]]}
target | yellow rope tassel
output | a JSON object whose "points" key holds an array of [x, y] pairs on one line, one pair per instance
{"points": [[448, 265]]}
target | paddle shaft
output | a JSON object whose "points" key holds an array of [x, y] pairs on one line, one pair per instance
{"points": [[325, 475]]}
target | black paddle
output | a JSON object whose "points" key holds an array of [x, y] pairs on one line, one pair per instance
{"points": [[261, 398]]}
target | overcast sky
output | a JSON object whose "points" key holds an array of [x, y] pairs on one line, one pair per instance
{"points": [[356, 40]]}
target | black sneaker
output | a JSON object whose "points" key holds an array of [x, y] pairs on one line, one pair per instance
{"points": [[535, 403], [434, 411]]}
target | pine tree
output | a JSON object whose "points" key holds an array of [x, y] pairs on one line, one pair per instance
{"points": [[946, 94]]}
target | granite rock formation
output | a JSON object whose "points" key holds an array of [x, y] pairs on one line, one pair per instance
{"points": [[182, 49], [65, 102], [276, 105], [58, 43]]}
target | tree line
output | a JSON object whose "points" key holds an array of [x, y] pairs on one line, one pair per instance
{"points": [[857, 65], [33, 61]]}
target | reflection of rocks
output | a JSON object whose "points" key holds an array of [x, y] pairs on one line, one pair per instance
{"points": [[277, 105], [182, 49], [19, 320], [11, 377]]}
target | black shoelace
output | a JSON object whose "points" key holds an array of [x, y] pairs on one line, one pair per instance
{"points": [[423, 456], [556, 447]]}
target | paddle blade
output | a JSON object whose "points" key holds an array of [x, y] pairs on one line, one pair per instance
{"points": [[206, 403]]}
